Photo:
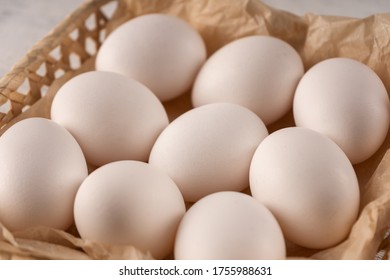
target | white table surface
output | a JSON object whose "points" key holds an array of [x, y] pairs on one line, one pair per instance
{"points": [[24, 22]]}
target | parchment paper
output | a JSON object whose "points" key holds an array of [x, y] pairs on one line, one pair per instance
{"points": [[316, 38]]}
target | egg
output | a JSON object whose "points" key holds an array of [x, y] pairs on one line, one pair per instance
{"points": [[161, 51], [130, 203], [229, 225], [258, 72], [345, 100], [41, 169], [209, 149], [111, 116], [309, 185]]}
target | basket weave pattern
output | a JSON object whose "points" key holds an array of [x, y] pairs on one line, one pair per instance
{"points": [[65, 49]]}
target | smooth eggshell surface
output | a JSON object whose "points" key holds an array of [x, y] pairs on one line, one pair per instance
{"points": [[130, 203], [346, 101], [41, 169], [111, 116], [163, 52], [209, 149], [229, 225], [308, 183], [258, 72]]}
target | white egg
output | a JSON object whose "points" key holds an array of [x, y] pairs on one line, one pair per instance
{"points": [[41, 169], [130, 203], [309, 185], [346, 101], [258, 72], [163, 52], [209, 149], [111, 116], [229, 225]]}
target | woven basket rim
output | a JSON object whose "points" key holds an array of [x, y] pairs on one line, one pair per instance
{"points": [[49, 41]]}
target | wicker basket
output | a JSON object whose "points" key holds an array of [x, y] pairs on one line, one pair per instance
{"points": [[70, 48], [64, 50]]}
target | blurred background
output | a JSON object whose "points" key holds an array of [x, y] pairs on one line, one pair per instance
{"points": [[24, 22]]}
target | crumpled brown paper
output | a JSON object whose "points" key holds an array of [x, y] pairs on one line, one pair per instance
{"points": [[316, 38]]}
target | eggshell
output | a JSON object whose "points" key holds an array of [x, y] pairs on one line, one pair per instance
{"points": [[163, 52], [346, 101], [229, 225], [41, 168], [112, 117], [308, 183], [209, 149], [258, 72], [130, 203]]}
